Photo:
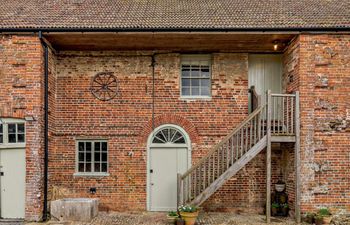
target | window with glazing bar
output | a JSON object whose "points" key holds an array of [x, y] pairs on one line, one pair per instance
{"points": [[12, 133], [92, 156], [196, 76]]}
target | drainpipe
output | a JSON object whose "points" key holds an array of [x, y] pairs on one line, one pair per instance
{"points": [[46, 121], [153, 89]]}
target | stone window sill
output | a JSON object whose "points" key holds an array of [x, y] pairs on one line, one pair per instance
{"points": [[91, 174]]}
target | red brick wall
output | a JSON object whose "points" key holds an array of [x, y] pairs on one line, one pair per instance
{"points": [[126, 122], [21, 94], [316, 65], [324, 90], [322, 69], [246, 191], [290, 84]]}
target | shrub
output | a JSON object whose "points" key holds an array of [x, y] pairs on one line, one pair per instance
{"points": [[324, 212], [188, 208]]}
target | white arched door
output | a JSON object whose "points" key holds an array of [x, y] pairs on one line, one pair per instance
{"points": [[168, 156]]}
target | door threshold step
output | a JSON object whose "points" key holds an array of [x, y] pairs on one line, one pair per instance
{"points": [[11, 220]]}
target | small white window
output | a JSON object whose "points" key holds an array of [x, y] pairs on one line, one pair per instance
{"points": [[195, 76], [12, 133], [15, 132], [92, 157]]}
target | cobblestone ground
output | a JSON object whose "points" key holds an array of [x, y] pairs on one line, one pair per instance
{"points": [[115, 218]]}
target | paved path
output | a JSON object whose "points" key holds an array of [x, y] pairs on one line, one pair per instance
{"points": [[115, 218]]}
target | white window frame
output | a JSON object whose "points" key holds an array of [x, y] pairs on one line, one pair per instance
{"points": [[196, 57], [5, 143], [92, 173]]}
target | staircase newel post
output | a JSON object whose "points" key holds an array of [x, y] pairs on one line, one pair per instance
{"points": [[297, 157], [179, 190], [268, 158]]}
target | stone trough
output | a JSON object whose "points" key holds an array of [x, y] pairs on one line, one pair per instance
{"points": [[74, 209]]}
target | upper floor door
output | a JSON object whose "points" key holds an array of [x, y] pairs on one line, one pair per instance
{"points": [[265, 73]]}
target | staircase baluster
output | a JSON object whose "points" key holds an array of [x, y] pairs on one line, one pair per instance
{"points": [[283, 125], [292, 115], [242, 141], [250, 134], [217, 165], [198, 180], [259, 125], [205, 176], [255, 128], [279, 114], [195, 183], [213, 177], [201, 169], [273, 130], [232, 149], [184, 188], [222, 150], [236, 145], [227, 154], [189, 196], [209, 170], [287, 108], [246, 139]]}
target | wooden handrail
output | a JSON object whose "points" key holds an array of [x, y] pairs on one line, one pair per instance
{"points": [[223, 141], [283, 95], [275, 117]]}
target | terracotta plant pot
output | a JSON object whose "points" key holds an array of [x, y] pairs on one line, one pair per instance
{"points": [[180, 221], [327, 219], [285, 211], [310, 219], [274, 211], [318, 221], [280, 187], [189, 218]]}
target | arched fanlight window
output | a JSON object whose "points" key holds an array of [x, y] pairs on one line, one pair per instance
{"points": [[168, 135]]}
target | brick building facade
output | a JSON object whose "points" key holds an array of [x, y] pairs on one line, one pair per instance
{"points": [[148, 71], [316, 65]]}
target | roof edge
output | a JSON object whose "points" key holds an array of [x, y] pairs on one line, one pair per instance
{"points": [[117, 30]]}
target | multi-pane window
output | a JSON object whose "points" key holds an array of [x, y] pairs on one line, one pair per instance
{"points": [[195, 76], [15, 132], [12, 133], [92, 156]]}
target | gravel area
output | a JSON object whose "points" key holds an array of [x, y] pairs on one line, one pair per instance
{"points": [[148, 218]]}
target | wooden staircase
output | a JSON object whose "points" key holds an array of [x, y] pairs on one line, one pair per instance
{"points": [[276, 120]]}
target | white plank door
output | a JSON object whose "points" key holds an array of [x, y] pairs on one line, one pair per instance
{"points": [[12, 183], [265, 73], [165, 163]]}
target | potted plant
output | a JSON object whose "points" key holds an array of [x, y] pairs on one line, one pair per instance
{"points": [[274, 208], [180, 221], [172, 217], [310, 218], [318, 219], [285, 209], [324, 212], [189, 214]]}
